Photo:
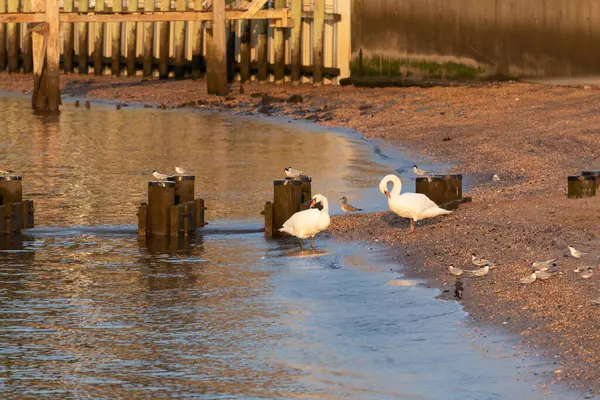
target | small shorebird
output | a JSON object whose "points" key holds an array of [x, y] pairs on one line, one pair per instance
{"points": [[481, 271], [420, 172], [543, 265], [576, 253], [293, 173], [528, 279], [181, 170], [581, 269], [481, 262], [455, 271], [6, 172], [588, 274], [496, 178], [348, 207], [159, 176], [543, 275]]}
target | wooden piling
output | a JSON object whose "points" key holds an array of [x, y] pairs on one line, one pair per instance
{"points": [[132, 5], [27, 46], [197, 44], [27, 212], [306, 189], [163, 42], [99, 40], [13, 39], [287, 198], [161, 197], [596, 175], [176, 220], [262, 53], [189, 217], [69, 39], [245, 43], [3, 220], [184, 188], [318, 29], [216, 63], [148, 41], [82, 27], [52, 57], [180, 5], [279, 44], [2, 38], [581, 186], [296, 41], [269, 218], [11, 189], [143, 220], [433, 187], [231, 38], [14, 216], [116, 41], [200, 208]]}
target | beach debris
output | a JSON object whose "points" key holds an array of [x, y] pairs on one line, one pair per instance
{"points": [[528, 280], [458, 289], [455, 271], [346, 207], [481, 262], [76, 103], [543, 275], [543, 265], [481, 271], [87, 104], [159, 176], [588, 274], [576, 253], [181, 170], [293, 173], [420, 172], [118, 107]]}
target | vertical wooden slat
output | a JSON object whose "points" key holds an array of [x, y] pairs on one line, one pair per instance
{"points": [[69, 40], [262, 53], [318, 30], [2, 38], [163, 42], [99, 41], [296, 41], [132, 5], [53, 56], [197, 44], [83, 40], [216, 79], [13, 39], [279, 44], [180, 5], [245, 28], [231, 25], [27, 44], [344, 50], [148, 41], [116, 41]]}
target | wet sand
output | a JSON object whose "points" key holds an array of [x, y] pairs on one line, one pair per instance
{"points": [[532, 136]]}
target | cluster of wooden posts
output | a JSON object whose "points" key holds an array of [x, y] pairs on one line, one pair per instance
{"points": [[584, 185], [15, 213], [303, 43], [443, 190], [171, 209], [289, 197]]}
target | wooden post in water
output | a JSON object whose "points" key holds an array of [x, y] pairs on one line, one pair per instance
{"points": [[161, 197], [116, 41], [163, 42], [13, 39], [200, 213], [142, 220], [245, 43], [11, 189], [2, 38], [132, 5], [319, 29], [197, 44], [28, 217], [82, 27], [184, 187], [180, 5], [296, 41], [268, 218], [262, 54], [69, 39], [279, 45], [287, 198], [46, 63], [26, 50], [216, 63], [99, 41], [148, 41], [581, 186]]}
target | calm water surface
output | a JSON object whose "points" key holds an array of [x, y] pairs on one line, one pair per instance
{"points": [[88, 311]]}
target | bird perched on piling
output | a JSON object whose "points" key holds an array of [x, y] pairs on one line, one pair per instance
{"points": [[182, 171], [420, 172], [346, 207], [159, 176], [293, 173]]}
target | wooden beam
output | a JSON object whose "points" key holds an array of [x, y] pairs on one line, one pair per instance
{"points": [[82, 66], [148, 41], [163, 42], [245, 49], [132, 6], [197, 45], [22, 17], [255, 7], [115, 41], [53, 56], [69, 39], [296, 41], [13, 38], [217, 57], [279, 45], [2, 38], [344, 29], [179, 28], [26, 46], [318, 32], [98, 41]]}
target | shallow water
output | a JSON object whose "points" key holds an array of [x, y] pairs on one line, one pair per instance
{"points": [[89, 311]]}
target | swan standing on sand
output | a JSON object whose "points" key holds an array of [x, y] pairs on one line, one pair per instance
{"points": [[306, 224], [415, 206]]}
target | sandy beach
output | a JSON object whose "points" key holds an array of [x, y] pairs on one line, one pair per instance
{"points": [[532, 135]]}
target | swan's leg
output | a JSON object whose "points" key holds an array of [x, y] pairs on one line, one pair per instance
{"points": [[412, 225], [301, 248], [312, 242]]}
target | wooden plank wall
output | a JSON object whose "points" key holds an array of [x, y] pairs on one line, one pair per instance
{"points": [[178, 49]]}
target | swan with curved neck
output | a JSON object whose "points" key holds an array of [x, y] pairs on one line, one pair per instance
{"points": [[307, 223], [415, 206]]}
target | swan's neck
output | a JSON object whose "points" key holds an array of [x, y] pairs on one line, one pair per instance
{"points": [[397, 185], [325, 205]]}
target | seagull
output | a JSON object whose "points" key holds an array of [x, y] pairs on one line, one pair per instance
{"points": [[181, 170], [293, 173], [420, 172], [481, 262], [455, 271], [496, 178], [543, 275], [348, 207], [576, 253], [159, 176], [481, 271], [528, 279], [543, 265], [588, 274]]}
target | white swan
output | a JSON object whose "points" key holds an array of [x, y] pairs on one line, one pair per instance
{"points": [[306, 224], [415, 206]]}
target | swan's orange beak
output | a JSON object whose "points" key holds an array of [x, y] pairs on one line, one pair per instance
{"points": [[387, 194], [312, 204]]}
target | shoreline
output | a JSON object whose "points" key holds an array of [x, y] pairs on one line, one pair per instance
{"points": [[533, 136]]}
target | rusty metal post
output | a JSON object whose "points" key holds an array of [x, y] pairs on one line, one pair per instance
{"points": [[287, 198], [11, 189], [581, 186], [184, 187], [161, 197]]}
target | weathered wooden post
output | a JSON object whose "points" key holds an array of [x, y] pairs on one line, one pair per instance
{"points": [[231, 35], [2, 38], [581, 186], [262, 54], [98, 40], [116, 41], [287, 198], [148, 41], [452, 191], [28, 214], [14, 217], [596, 175], [180, 5], [245, 42], [82, 28], [132, 5], [279, 73], [13, 39], [27, 44], [163, 42], [176, 220], [319, 30], [161, 197], [306, 189], [143, 220], [3, 220], [184, 188], [69, 39], [433, 187], [296, 41], [268, 212], [197, 44], [200, 208], [216, 52], [11, 189]]}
